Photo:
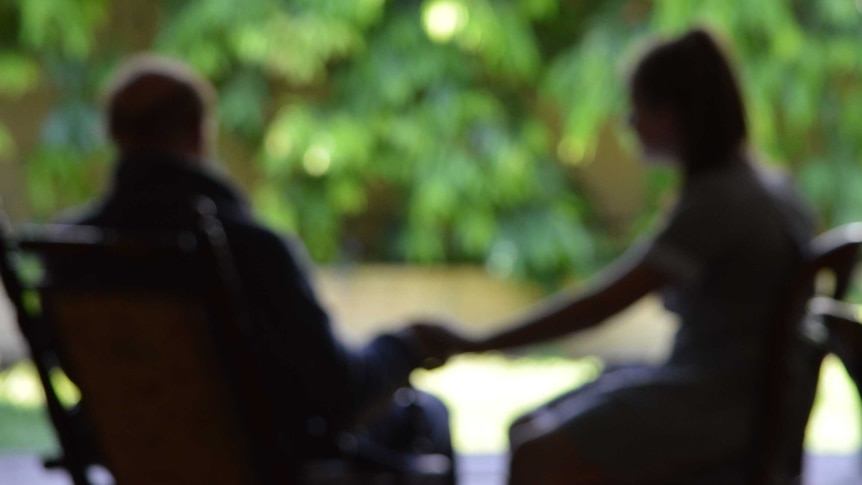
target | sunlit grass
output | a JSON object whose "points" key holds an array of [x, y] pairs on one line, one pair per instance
{"points": [[19, 386], [486, 393], [25, 424], [835, 426], [25, 428]]}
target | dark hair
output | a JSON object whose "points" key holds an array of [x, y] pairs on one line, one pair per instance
{"points": [[692, 76], [154, 100]]}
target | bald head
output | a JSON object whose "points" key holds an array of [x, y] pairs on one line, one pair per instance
{"points": [[159, 105]]}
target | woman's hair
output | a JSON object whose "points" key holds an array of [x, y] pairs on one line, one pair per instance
{"points": [[691, 76]]}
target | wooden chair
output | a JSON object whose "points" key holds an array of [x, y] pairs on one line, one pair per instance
{"points": [[840, 249], [800, 337], [172, 391], [74, 456], [841, 321], [815, 327], [167, 383]]}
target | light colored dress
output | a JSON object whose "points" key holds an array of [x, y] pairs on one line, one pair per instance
{"points": [[729, 246]]}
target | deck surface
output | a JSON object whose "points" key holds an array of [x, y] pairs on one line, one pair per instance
{"points": [[24, 469]]}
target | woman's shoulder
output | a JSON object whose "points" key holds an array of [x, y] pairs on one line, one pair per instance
{"points": [[745, 196], [745, 182]]}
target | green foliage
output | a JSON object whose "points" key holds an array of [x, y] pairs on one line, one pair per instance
{"points": [[7, 144], [443, 130], [20, 74], [66, 27]]}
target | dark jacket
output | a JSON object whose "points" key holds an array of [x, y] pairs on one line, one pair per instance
{"points": [[318, 383]]}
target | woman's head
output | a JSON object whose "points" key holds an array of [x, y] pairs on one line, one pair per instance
{"points": [[688, 101]]}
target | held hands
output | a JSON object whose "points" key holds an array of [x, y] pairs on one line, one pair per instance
{"points": [[437, 342]]}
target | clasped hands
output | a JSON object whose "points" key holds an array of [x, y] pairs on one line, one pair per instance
{"points": [[436, 342]]}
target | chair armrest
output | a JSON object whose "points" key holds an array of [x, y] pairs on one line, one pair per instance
{"points": [[834, 309], [845, 332]]}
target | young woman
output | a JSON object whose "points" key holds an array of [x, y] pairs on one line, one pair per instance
{"points": [[720, 261]]}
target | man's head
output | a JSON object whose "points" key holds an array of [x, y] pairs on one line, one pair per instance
{"points": [[159, 105]]}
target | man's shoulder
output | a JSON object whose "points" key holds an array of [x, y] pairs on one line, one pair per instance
{"points": [[250, 238], [250, 228]]}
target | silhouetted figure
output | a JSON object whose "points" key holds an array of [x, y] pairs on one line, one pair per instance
{"points": [[159, 118], [721, 261]]}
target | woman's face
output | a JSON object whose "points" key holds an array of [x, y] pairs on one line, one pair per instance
{"points": [[656, 129]]}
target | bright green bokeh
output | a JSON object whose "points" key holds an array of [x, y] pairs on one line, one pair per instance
{"points": [[436, 131]]}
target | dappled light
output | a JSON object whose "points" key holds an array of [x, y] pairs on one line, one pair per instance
{"points": [[442, 19], [442, 127]]}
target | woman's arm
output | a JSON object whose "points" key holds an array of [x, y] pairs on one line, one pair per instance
{"points": [[620, 286]]}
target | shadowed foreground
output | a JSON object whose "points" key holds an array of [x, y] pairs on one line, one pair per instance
{"points": [[22, 469]]}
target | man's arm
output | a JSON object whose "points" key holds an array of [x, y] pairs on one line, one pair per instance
{"points": [[334, 380]]}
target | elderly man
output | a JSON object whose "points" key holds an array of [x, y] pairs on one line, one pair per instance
{"points": [[159, 119]]}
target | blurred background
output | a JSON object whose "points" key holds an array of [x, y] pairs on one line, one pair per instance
{"points": [[449, 157]]}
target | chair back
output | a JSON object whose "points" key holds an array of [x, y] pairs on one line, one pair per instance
{"points": [[799, 341], [840, 251], [165, 369], [841, 319], [43, 355], [153, 386], [836, 252]]}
